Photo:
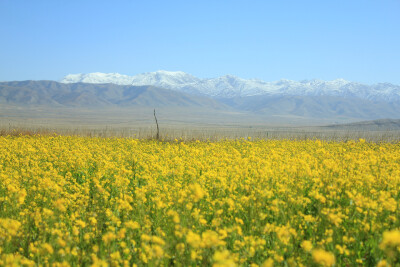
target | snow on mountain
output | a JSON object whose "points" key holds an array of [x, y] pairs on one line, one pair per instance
{"points": [[98, 77], [167, 79], [229, 86], [162, 78]]}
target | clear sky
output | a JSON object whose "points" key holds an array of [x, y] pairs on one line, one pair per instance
{"points": [[358, 40]]}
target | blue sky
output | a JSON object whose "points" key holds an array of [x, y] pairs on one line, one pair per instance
{"points": [[358, 40]]}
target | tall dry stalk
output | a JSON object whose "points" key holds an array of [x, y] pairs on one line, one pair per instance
{"points": [[158, 130]]}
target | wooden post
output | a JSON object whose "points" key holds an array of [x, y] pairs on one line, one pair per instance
{"points": [[158, 130]]}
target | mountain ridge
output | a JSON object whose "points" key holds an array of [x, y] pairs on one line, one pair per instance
{"points": [[88, 95], [229, 86], [53, 93]]}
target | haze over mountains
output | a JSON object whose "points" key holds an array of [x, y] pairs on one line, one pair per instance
{"points": [[329, 101]]}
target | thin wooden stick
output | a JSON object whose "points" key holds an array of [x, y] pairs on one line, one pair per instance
{"points": [[158, 130]]}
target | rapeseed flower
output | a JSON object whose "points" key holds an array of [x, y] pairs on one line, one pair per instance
{"points": [[323, 257], [391, 240], [112, 202]]}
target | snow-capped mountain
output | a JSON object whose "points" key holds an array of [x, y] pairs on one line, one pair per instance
{"points": [[160, 78], [97, 77], [230, 86]]}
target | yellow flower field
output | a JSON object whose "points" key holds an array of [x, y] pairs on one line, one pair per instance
{"points": [[76, 201]]}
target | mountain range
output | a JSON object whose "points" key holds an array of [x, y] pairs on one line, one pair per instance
{"points": [[229, 86], [330, 101], [51, 93]]}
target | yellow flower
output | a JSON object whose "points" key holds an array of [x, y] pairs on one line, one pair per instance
{"points": [[174, 215], [108, 237], [323, 257], [383, 263], [61, 242], [60, 205], [223, 259], [47, 248], [115, 256], [132, 225], [210, 239], [92, 221], [121, 233], [157, 251], [94, 197], [391, 240], [157, 240], [8, 229], [98, 262], [21, 196], [307, 245], [193, 239], [268, 263], [197, 192], [145, 238], [80, 223]]}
